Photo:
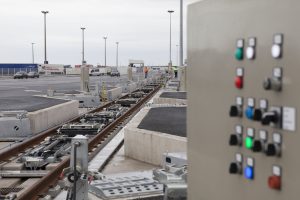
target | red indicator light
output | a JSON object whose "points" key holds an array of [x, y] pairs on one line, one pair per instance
{"points": [[238, 82], [274, 182]]}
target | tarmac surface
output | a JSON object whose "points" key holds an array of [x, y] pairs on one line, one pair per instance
{"points": [[170, 120], [173, 95], [18, 94]]}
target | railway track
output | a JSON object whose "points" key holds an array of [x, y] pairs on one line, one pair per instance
{"points": [[35, 184]]}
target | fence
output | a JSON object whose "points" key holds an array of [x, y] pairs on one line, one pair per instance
{"points": [[12, 71]]}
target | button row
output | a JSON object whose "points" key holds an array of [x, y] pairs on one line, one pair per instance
{"points": [[266, 115], [276, 49], [236, 167], [257, 143], [269, 83]]}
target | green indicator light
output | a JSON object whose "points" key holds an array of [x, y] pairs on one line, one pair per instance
{"points": [[249, 142], [239, 53]]}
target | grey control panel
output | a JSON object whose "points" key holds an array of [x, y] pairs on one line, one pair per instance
{"points": [[243, 94]]}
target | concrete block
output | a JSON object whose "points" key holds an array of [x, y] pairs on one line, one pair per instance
{"points": [[169, 101], [85, 101], [114, 93], [149, 146], [12, 127], [44, 119]]}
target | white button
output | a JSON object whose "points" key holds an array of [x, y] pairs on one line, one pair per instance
{"points": [[250, 53], [276, 51]]}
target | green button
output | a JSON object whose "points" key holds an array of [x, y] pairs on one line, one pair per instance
{"points": [[239, 54], [249, 142]]}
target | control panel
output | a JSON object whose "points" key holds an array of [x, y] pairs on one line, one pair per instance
{"points": [[243, 84]]}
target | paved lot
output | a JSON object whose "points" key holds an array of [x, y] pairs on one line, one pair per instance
{"points": [[16, 94], [170, 120]]}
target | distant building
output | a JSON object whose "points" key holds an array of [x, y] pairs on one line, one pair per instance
{"points": [[12, 68]]}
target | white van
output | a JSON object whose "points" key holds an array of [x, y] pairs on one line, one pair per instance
{"points": [[97, 72]]}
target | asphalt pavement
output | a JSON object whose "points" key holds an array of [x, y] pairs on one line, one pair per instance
{"points": [[17, 94]]}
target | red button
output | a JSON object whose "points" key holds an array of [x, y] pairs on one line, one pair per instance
{"points": [[274, 182], [238, 82]]}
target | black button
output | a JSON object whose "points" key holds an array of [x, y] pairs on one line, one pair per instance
{"points": [[257, 115], [233, 140], [257, 146], [233, 168], [234, 111], [271, 150]]}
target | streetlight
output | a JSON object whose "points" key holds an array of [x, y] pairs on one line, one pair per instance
{"points": [[181, 35], [105, 38], [117, 57], [170, 11], [32, 51], [45, 38], [177, 50], [83, 61]]}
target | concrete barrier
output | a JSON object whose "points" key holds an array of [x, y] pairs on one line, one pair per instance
{"points": [[149, 146], [114, 93], [169, 101], [73, 71], [11, 127], [44, 119]]}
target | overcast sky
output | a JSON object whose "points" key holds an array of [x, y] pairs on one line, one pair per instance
{"points": [[141, 27]]}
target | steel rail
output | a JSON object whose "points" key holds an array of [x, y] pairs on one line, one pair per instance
{"points": [[49, 180], [19, 148]]}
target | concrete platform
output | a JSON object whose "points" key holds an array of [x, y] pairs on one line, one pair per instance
{"points": [[148, 145]]}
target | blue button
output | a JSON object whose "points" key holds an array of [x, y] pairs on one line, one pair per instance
{"points": [[249, 113], [249, 173]]}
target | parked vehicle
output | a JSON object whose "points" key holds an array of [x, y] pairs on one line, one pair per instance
{"points": [[20, 74], [114, 72], [98, 72], [33, 74]]}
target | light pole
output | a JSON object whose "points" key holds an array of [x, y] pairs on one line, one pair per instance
{"points": [[32, 51], [83, 61], [117, 57], [105, 38], [170, 11], [181, 35], [45, 36], [177, 50]]}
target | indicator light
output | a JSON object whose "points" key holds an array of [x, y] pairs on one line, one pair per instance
{"points": [[274, 182], [249, 112], [239, 54], [249, 142], [238, 81], [250, 52], [249, 173]]}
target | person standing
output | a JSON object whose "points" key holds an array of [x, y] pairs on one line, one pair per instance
{"points": [[146, 71]]}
